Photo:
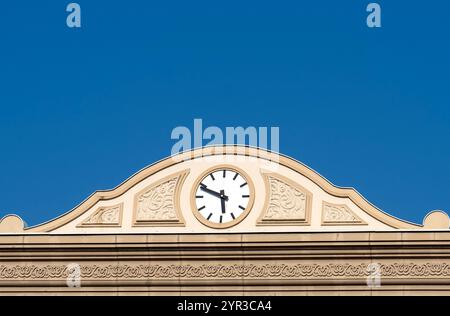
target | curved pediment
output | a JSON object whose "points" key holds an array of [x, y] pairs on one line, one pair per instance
{"points": [[263, 191]]}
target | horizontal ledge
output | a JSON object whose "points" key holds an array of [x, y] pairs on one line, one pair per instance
{"points": [[270, 237], [218, 283]]}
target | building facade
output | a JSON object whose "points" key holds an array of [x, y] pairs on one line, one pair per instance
{"points": [[226, 220]]}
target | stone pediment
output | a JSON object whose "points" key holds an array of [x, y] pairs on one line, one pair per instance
{"points": [[263, 192]]}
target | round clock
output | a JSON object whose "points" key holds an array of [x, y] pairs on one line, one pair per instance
{"points": [[222, 197]]}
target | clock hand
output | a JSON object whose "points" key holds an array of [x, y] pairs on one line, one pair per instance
{"points": [[222, 201], [216, 194]]}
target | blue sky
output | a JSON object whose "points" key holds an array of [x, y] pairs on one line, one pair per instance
{"points": [[83, 109]]}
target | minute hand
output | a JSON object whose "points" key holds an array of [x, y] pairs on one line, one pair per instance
{"points": [[217, 194]]}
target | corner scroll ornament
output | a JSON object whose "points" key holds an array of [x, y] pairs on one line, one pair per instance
{"points": [[287, 203], [333, 214], [158, 204], [110, 216]]}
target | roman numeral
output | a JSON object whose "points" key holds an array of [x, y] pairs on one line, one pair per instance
{"points": [[221, 217], [224, 173]]}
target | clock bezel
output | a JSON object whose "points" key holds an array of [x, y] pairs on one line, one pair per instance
{"points": [[241, 217]]}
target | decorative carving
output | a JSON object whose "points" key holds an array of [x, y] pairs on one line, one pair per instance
{"points": [[105, 216], [333, 214], [158, 204], [233, 271], [287, 203]]}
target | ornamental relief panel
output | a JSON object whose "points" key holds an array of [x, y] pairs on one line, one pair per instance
{"points": [[304, 271], [158, 204], [287, 203], [105, 217], [334, 214]]}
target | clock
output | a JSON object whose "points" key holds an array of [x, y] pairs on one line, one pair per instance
{"points": [[222, 197]]}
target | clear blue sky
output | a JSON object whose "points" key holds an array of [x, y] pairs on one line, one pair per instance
{"points": [[82, 110]]}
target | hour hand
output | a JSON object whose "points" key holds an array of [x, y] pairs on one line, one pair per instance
{"points": [[216, 194]]}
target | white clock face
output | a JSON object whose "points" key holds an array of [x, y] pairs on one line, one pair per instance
{"points": [[223, 197]]}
